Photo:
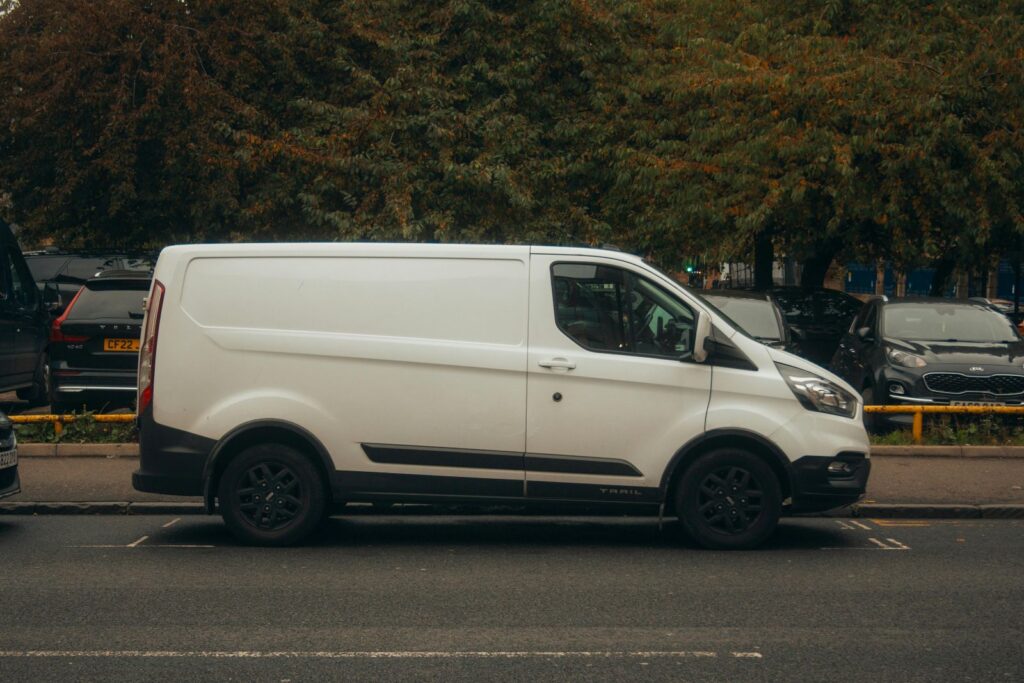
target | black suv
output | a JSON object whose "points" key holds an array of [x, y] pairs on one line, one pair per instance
{"points": [[94, 344], [64, 272], [930, 351], [817, 318], [755, 312], [23, 325]]}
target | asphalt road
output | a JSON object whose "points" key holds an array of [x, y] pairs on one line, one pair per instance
{"points": [[447, 598]]}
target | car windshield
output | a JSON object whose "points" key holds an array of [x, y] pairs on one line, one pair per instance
{"points": [[945, 322], [755, 316]]}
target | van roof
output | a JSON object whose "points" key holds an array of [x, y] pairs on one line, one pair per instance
{"points": [[401, 249]]}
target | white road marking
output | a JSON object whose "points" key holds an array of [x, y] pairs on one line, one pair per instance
{"points": [[135, 544], [171, 523], [843, 525], [878, 545], [148, 545], [862, 525], [369, 654]]}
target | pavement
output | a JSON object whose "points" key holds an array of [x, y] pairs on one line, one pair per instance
{"points": [[502, 598], [915, 485]]}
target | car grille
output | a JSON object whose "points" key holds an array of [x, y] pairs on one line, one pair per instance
{"points": [[956, 383]]}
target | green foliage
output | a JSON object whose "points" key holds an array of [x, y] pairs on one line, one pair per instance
{"points": [[670, 127], [83, 430], [965, 430]]}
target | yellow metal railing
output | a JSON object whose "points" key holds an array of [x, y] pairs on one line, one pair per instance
{"points": [[919, 411], [59, 420]]}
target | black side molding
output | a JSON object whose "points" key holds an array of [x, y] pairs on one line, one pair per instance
{"points": [[496, 460]]}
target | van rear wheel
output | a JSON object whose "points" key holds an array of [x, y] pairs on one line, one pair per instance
{"points": [[729, 499], [271, 495]]}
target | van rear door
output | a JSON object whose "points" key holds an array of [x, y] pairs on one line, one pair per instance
{"points": [[612, 390]]}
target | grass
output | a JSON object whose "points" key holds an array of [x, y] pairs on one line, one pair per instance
{"points": [[955, 430], [82, 430]]}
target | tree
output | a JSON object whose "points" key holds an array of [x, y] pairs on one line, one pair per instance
{"points": [[677, 129]]}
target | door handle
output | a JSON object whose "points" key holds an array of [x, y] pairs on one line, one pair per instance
{"points": [[557, 363]]}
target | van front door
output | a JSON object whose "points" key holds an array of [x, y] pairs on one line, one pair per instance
{"points": [[612, 389]]}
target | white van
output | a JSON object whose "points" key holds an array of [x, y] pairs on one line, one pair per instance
{"points": [[280, 381]]}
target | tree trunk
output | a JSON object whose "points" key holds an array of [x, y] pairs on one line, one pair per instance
{"points": [[943, 271], [817, 265], [764, 260]]}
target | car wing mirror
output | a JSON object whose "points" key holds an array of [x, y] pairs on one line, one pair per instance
{"points": [[701, 336], [864, 333]]}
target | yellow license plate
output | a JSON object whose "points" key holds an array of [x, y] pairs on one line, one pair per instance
{"points": [[120, 344]]}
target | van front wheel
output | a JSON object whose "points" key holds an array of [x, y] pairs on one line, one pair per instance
{"points": [[272, 495], [729, 499]]}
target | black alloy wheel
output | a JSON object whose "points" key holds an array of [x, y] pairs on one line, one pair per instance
{"points": [[728, 499], [269, 495], [272, 494]]}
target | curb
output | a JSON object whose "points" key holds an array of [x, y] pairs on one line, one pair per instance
{"points": [[877, 510], [928, 511], [101, 508], [78, 450], [948, 451]]}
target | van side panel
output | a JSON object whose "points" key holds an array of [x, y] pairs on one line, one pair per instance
{"points": [[421, 353]]}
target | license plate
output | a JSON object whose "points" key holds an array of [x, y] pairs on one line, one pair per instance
{"points": [[8, 458], [977, 403], [120, 344]]}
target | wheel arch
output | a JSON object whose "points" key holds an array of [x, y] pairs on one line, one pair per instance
{"points": [[257, 432], [726, 438]]}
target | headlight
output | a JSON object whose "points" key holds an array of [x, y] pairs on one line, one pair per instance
{"points": [[817, 393], [907, 360]]}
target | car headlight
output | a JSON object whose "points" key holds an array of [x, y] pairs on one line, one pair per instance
{"points": [[907, 360], [818, 393]]}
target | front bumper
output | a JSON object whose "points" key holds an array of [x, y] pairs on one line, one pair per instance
{"points": [[10, 482], [816, 488], [915, 392]]}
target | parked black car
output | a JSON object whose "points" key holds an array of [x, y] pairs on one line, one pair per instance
{"points": [[756, 312], [817, 318], [23, 325], [9, 482], [64, 272], [94, 344], [923, 351]]}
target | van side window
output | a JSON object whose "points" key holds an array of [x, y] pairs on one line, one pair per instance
{"points": [[604, 308]]}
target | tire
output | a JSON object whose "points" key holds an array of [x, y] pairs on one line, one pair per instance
{"points": [[722, 519], [274, 479], [39, 393]]}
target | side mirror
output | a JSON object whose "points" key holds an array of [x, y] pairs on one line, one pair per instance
{"points": [[701, 335], [864, 333]]}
